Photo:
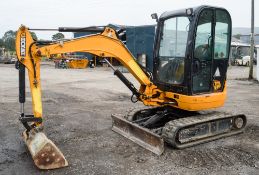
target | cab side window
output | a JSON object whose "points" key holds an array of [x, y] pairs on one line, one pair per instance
{"points": [[221, 35]]}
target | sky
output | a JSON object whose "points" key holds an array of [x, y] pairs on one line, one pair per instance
{"points": [[83, 13]]}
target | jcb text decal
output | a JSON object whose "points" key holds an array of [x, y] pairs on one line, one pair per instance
{"points": [[23, 45]]}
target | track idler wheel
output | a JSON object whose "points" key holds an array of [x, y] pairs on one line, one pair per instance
{"points": [[238, 122]]}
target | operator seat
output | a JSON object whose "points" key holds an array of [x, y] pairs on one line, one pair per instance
{"points": [[173, 71], [202, 77]]}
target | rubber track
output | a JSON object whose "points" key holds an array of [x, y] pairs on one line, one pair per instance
{"points": [[171, 128]]}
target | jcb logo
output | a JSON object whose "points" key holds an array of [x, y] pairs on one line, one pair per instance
{"points": [[23, 45]]}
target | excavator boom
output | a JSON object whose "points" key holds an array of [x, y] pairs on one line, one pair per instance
{"points": [[44, 152]]}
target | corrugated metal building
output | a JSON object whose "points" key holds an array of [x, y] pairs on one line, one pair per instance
{"points": [[139, 40], [246, 39]]}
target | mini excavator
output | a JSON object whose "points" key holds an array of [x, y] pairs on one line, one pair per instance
{"points": [[190, 60]]}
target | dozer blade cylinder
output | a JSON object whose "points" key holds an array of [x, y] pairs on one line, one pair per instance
{"points": [[137, 134], [44, 152]]}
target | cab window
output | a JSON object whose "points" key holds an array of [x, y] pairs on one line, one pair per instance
{"points": [[222, 33], [172, 50]]}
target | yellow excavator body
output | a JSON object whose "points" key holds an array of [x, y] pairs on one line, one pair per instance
{"points": [[184, 81]]}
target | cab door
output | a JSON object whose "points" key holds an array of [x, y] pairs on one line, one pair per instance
{"points": [[211, 51], [203, 53], [221, 51]]}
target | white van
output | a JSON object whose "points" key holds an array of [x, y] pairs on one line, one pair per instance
{"points": [[243, 61]]}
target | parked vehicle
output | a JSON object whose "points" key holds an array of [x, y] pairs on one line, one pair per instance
{"points": [[6, 57], [240, 55], [243, 61]]}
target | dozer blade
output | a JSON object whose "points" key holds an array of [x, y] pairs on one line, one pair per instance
{"points": [[137, 134], [44, 152]]}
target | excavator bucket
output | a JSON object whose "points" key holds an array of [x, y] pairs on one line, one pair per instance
{"points": [[135, 133], [44, 152]]}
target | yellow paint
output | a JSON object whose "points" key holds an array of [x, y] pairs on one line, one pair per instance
{"points": [[78, 64], [216, 85], [27, 61], [106, 45]]}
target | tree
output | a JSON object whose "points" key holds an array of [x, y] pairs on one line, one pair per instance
{"points": [[58, 36], [1, 43], [9, 40], [9, 34], [34, 36], [237, 36]]}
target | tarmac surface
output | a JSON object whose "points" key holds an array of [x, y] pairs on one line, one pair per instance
{"points": [[77, 106]]}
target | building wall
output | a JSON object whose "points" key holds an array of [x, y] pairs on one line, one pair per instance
{"points": [[140, 40], [246, 39]]}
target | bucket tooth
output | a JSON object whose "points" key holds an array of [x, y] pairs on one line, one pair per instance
{"points": [[44, 152]]}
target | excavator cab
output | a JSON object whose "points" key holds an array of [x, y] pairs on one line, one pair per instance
{"points": [[192, 50]]}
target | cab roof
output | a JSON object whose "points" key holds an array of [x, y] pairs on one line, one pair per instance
{"points": [[182, 12]]}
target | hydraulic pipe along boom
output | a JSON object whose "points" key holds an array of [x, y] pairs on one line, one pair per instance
{"points": [[124, 79]]}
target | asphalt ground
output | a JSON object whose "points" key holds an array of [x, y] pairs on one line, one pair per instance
{"points": [[77, 106]]}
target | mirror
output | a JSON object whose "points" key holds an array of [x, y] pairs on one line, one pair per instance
{"points": [[154, 16]]}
